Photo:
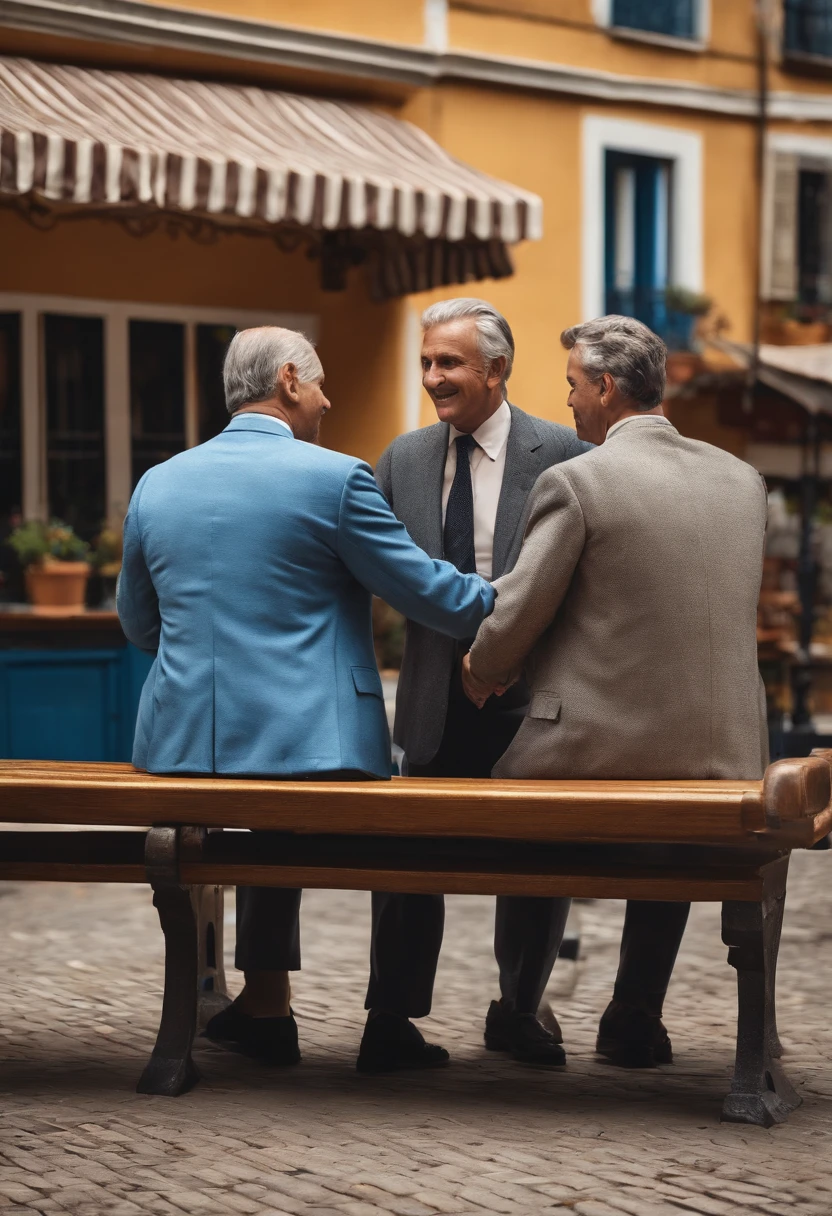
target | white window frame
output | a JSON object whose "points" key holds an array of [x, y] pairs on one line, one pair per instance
{"points": [[811, 152], [684, 149], [602, 13], [116, 315], [435, 20], [813, 147]]}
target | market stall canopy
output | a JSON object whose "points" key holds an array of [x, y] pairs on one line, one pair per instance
{"points": [[802, 373], [355, 184]]}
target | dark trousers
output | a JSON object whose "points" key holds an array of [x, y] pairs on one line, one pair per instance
{"points": [[649, 944], [407, 929], [268, 918]]}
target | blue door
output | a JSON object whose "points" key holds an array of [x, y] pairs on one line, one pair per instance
{"points": [[637, 237]]}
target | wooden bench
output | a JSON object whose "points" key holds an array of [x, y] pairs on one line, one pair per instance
{"points": [[665, 840]]}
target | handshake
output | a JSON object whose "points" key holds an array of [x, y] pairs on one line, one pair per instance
{"points": [[478, 690]]}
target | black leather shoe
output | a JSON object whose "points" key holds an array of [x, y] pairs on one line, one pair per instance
{"points": [[632, 1038], [390, 1043], [523, 1036], [270, 1040]]}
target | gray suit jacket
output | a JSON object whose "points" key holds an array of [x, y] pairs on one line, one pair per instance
{"points": [[633, 609], [410, 473]]}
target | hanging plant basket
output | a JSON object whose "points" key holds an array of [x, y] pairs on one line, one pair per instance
{"points": [[57, 588]]}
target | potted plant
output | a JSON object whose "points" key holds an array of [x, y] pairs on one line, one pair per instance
{"points": [[106, 558], [55, 564], [683, 308]]}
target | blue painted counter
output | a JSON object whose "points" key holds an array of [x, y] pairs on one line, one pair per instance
{"points": [[69, 687]]}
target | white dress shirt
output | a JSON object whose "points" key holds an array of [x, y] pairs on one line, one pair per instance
{"points": [[660, 418], [488, 463]]}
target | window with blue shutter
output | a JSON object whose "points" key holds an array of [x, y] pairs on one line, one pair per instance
{"points": [[674, 18], [807, 27], [637, 238]]}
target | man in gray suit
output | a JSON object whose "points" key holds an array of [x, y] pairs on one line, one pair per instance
{"points": [[632, 608], [461, 488]]}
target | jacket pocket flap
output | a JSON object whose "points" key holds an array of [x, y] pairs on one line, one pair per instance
{"points": [[545, 705], [367, 681]]}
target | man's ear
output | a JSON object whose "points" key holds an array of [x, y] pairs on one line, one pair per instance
{"points": [[607, 386], [288, 381], [496, 371]]}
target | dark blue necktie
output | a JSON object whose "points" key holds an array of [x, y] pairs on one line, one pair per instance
{"points": [[459, 514]]}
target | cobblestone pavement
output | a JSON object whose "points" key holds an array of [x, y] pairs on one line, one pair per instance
{"points": [[81, 999]]}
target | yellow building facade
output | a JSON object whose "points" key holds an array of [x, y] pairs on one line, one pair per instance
{"points": [[637, 123]]}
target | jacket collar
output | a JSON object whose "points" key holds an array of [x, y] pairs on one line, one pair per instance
{"points": [[260, 422], [640, 422], [523, 466]]}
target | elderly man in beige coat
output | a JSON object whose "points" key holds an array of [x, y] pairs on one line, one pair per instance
{"points": [[632, 612]]}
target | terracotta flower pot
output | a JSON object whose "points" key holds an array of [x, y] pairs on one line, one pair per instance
{"points": [[57, 588]]}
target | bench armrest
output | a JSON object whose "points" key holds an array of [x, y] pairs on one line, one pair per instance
{"points": [[797, 798]]}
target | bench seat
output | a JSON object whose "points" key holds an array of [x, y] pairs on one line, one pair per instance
{"points": [[727, 841]]}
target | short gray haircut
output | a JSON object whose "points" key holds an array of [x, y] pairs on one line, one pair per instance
{"points": [[494, 336], [254, 359], [628, 351]]}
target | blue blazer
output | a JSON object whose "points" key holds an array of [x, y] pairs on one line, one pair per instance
{"points": [[249, 568]]}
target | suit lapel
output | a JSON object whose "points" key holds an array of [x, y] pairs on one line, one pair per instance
{"points": [[523, 467], [420, 505]]}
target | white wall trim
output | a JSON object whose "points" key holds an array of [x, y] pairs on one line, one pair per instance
{"points": [[411, 371], [243, 318], [117, 439], [126, 22], [816, 147], [436, 25], [602, 12], [684, 149]]}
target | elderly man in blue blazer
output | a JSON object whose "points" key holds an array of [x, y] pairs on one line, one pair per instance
{"points": [[249, 568]]}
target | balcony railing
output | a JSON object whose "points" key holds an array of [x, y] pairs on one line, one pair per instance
{"points": [[673, 18], [807, 27], [648, 304]]}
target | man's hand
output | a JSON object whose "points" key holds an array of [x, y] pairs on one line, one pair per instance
{"points": [[477, 690]]}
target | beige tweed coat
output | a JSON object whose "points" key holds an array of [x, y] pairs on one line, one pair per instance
{"points": [[633, 609]]}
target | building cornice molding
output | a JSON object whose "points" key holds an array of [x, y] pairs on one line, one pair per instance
{"points": [[135, 23]]}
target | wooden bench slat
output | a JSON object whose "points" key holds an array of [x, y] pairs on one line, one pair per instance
{"points": [[713, 811]]}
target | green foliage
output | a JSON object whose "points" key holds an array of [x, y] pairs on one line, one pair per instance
{"points": [[56, 541], [106, 553], [691, 303]]}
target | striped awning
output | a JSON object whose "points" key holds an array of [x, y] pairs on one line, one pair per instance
{"points": [[361, 184]]}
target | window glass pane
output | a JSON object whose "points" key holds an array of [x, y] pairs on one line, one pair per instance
{"points": [[211, 344], [807, 27], [11, 489], [671, 17], [11, 473], [74, 360], [814, 256], [157, 393]]}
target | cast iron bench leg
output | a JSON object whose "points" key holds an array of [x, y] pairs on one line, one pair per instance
{"points": [[171, 1071], [760, 1092]]}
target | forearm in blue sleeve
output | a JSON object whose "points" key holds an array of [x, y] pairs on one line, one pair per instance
{"points": [[378, 550]]}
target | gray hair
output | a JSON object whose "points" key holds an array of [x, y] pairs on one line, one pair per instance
{"points": [[494, 336], [254, 359], [628, 351]]}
